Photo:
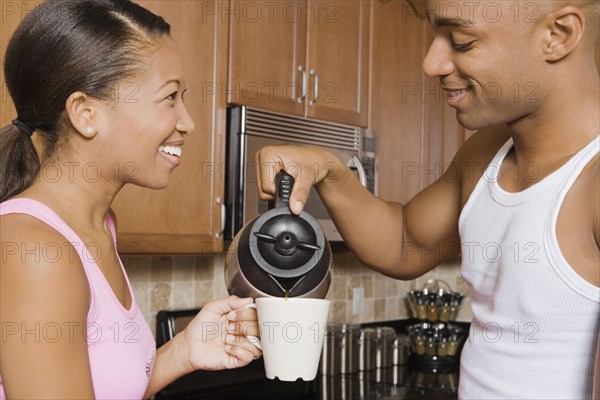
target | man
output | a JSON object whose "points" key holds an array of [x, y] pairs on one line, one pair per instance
{"points": [[525, 213]]}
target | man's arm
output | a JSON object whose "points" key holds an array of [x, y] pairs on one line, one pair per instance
{"points": [[401, 241]]}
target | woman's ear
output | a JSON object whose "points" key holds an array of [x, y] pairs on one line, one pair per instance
{"points": [[82, 113], [564, 29]]}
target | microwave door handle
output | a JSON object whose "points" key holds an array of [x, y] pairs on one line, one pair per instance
{"points": [[356, 164]]}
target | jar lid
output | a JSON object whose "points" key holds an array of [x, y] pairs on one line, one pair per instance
{"points": [[367, 333], [385, 331], [402, 339], [350, 328]]}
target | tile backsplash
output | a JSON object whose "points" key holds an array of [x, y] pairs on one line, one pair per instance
{"points": [[170, 282]]}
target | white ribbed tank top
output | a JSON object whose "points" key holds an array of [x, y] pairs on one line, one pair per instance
{"points": [[535, 320]]}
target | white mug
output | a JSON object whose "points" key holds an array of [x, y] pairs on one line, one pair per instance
{"points": [[291, 335]]}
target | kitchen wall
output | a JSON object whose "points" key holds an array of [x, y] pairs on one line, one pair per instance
{"points": [[180, 282]]}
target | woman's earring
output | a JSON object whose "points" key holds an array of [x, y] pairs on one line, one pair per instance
{"points": [[90, 131]]}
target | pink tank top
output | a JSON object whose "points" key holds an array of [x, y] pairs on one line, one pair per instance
{"points": [[120, 344]]}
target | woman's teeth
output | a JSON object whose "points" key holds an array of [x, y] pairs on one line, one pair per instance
{"points": [[172, 150]]}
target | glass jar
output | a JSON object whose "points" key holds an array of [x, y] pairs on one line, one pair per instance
{"points": [[432, 312]]}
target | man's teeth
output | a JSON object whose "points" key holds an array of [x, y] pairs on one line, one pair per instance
{"points": [[455, 93], [172, 150]]}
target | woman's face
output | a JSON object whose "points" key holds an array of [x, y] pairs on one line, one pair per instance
{"points": [[149, 120]]}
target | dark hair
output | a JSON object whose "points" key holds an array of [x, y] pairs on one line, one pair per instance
{"points": [[61, 47]]}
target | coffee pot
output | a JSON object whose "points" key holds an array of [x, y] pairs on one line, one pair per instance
{"points": [[279, 254]]}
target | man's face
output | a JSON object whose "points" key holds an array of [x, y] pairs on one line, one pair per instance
{"points": [[485, 56]]}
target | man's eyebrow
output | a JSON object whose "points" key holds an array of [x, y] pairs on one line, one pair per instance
{"points": [[455, 22]]}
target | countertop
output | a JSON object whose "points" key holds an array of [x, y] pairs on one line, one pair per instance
{"points": [[399, 382], [410, 381]]}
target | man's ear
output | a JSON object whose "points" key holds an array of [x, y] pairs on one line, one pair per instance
{"points": [[82, 112], [563, 32]]}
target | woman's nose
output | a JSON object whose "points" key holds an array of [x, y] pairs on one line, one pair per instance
{"points": [[185, 124], [437, 61]]}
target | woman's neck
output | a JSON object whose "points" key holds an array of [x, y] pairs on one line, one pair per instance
{"points": [[81, 193]]}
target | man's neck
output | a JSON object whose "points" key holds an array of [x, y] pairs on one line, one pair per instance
{"points": [[566, 123]]}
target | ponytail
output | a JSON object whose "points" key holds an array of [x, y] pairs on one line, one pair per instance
{"points": [[19, 163]]}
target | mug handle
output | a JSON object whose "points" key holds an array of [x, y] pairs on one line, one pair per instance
{"points": [[253, 339]]}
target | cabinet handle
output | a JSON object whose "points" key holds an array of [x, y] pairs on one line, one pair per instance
{"points": [[304, 83], [315, 87], [223, 213]]}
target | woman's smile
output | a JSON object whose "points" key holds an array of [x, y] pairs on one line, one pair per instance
{"points": [[171, 153]]}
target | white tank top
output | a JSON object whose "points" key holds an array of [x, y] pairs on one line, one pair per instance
{"points": [[535, 320]]}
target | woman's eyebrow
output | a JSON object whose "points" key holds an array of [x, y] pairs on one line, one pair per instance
{"points": [[167, 82]]}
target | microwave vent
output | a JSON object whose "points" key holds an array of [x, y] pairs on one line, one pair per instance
{"points": [[301, 130]]}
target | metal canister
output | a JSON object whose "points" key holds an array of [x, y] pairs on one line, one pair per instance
{"points": [[331, 355], [330, 388], [385, 346], [367, 349], [400, 375], [350, 334], [350, 386], [367, 386], [400, 352]]}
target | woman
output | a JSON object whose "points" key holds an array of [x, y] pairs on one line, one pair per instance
{"points": [[70, 325]]}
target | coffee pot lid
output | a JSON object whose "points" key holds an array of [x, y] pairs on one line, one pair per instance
{"points": [[283, 244]]}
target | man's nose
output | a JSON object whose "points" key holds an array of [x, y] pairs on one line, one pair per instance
{"points": [[437, 61]]}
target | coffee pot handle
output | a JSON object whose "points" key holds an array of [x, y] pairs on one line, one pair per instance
{"points": [[284, 183]]}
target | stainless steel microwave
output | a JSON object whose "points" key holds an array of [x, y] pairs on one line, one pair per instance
{"points": [[249, 129]]}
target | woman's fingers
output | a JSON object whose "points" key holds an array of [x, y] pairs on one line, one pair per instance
{"points": [[243, 328], [242, 348], [227, 304]]}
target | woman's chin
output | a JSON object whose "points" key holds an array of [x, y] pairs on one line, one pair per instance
{"points": [[156, 184]]}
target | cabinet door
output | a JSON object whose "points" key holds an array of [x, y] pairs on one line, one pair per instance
{"points": [[396, 110], [338, 56], [417, 131], [266, 48], [185, 218]]}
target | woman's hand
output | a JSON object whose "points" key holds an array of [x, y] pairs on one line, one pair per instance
{"points": [[216, 337]]}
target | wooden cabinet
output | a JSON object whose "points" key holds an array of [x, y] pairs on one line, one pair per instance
{"points": [[417, 131], [185, 217], [338, 60], [302, 57], [265, 51]]}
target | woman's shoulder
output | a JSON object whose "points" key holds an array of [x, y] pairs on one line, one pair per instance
{"points": [[39, 265], [45, 301]]}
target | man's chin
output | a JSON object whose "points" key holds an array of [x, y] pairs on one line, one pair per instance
{"points": [[471, 122]]}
